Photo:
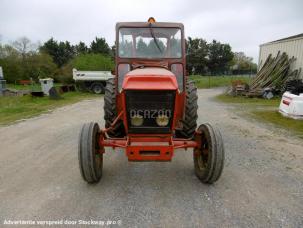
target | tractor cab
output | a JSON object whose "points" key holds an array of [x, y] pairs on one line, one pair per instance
{"points": [[150, 44]]}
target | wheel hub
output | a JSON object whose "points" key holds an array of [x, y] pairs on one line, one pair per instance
{"points": [[202, 153]]}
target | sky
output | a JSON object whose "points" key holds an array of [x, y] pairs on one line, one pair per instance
{"points": [[243, 24]]}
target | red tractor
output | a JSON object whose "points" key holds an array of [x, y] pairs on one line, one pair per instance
{"points": [[150, 107]]}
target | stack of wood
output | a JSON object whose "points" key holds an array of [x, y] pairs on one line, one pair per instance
{"points": [[273, 75], [238, 87]]}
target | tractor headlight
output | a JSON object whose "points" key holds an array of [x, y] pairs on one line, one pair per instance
{"points": [[162, 120], [136, 120]]}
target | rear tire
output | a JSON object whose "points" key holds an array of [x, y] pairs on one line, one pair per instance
{"points": [[191, 112], [97, 88], [209, 159], [110, 111], [90, 155]]}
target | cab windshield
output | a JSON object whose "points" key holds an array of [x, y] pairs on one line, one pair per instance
{"points": [[150, 43]]}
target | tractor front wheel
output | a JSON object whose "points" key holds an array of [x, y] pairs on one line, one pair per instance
{"points": [[90, 154], [209, 156]]}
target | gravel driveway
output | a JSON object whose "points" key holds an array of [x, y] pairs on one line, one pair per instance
{"points": [[261, 185]]}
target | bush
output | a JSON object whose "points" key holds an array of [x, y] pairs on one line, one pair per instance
{"points": [[32, 65], [12, 69], [38, 65], [64, 74], [92, 62]]}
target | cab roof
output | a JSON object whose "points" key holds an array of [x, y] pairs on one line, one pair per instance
{"points": [[146, 24]]}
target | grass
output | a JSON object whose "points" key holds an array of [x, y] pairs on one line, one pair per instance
{"points": [[248, 101], [16, 108], [264, 110], [34, 87], [203, 82], [276, 118]]}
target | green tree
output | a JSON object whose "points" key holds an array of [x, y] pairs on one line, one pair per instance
{"points": [[197, 51], [51, 47], [81, 48], [220, 57], [242, 64], [66, 52], [61, 52], [99, 46]]}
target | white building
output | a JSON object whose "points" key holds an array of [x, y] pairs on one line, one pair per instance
{"points": [[292, 46]]}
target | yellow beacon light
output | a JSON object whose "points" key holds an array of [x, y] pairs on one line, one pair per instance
{"points": [[151, 20]]}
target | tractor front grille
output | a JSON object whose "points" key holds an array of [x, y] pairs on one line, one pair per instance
{"points": [[149, 104]]}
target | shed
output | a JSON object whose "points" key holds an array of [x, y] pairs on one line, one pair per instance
{"points": [[292, 46]]}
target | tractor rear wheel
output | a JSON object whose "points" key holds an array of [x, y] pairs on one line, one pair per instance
{"points": [[90, 154], [191, 112], [110, 110], [209, 158]]}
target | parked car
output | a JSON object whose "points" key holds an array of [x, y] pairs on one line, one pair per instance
{"points": [[291, 105]]}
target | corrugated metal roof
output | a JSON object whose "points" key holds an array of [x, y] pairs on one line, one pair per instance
{"points": [[298, 36]]}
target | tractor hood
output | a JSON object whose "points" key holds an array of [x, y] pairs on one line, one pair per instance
{"points": [[151, 78]]}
